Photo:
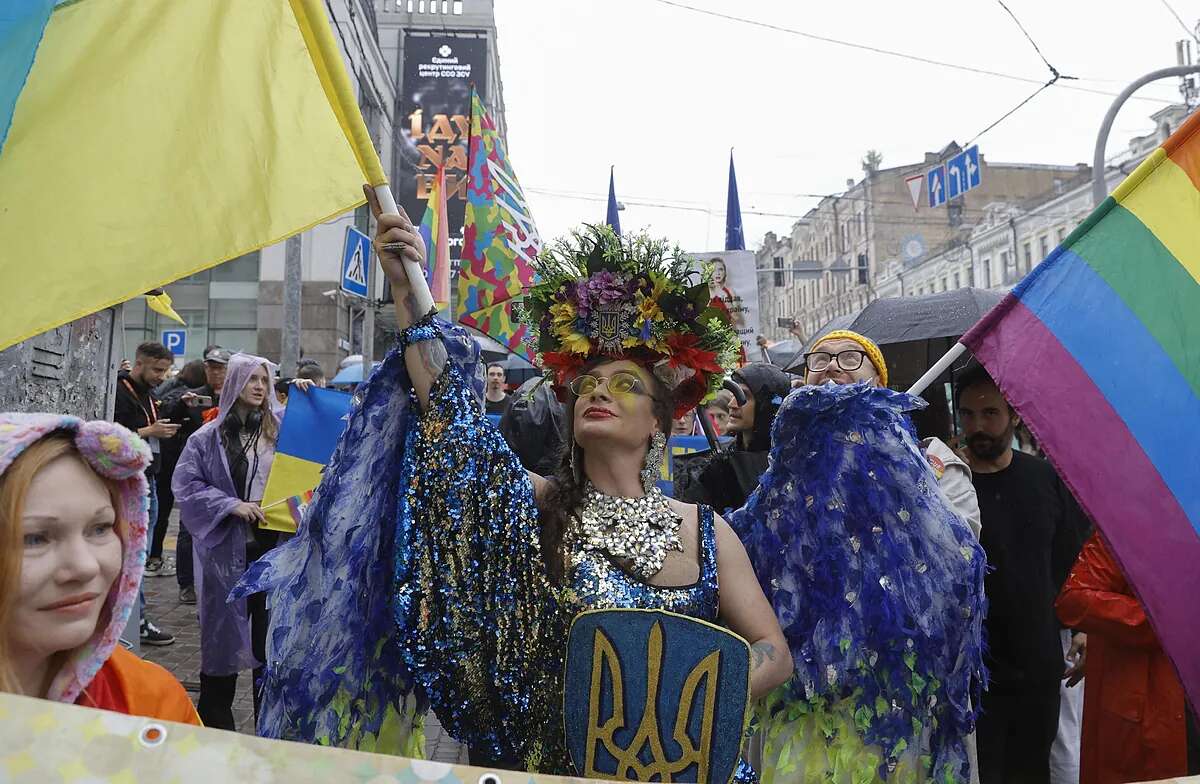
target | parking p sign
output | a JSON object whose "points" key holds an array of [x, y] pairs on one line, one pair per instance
{"points": [[175, 340]]}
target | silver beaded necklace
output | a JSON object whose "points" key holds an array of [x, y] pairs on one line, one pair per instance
{"points": [[640, 531]]}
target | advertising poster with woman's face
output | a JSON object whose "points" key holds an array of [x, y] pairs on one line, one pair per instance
{"points": [[734, 284]]}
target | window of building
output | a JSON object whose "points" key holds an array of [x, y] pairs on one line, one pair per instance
{"points": [[1007, 268], [863, 269], [233, 313], [235, 339], [944, 286], [778, 261], [957, 281], [987, 273], [1062, 235], [241, 269], [1044, 246], [1028, 249]]}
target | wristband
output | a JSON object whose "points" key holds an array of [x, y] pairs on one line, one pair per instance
{"points": [[420, 330]]}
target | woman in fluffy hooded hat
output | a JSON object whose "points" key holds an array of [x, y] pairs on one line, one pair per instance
{"points": [[71, 563]]}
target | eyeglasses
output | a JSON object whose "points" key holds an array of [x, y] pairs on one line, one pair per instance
{"points": [[619, 383], [850, 359]]}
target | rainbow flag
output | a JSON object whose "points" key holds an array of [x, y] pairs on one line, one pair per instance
{"points": [[175, 135], [312, 424], [500, 239], [435, 230], [1098, 349]]}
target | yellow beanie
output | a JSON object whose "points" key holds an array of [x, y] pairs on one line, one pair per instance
{"points": [[868, 345]]}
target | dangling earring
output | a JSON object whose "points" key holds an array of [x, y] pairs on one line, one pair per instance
{"points": [[652, 468]]}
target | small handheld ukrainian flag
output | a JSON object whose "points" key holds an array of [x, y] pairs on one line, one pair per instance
{"points": [[312, 424]]}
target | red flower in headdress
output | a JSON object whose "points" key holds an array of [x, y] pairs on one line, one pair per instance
{"points": [[565, 365], [689, 393], [685, 353]]}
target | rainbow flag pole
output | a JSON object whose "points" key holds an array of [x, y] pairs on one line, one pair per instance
{"points": [[435, 231], [1098, 349]]}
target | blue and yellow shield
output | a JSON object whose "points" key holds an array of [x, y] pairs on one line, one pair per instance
{"points": [[655, 696]]}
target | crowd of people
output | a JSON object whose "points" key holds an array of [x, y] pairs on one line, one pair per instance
{"points": [[863, 561]]}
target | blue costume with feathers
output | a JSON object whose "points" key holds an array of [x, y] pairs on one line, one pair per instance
{"points": [[878, 586]]}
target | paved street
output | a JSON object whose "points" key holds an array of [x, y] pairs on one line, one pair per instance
{"points": [[183, 657]]}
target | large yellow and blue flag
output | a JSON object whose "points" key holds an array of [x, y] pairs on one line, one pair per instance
{"points": [[142, 142], [312, 424]]}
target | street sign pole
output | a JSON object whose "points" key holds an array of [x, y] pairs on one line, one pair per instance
{"points": [[368, 338]]}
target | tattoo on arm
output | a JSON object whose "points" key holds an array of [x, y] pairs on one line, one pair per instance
{"points": [[760, 653], [433, 356]]}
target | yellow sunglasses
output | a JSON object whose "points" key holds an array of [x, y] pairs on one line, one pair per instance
{"points": [[620, 383]]}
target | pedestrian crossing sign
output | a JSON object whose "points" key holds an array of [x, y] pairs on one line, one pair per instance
{"points": [[356, 263]]}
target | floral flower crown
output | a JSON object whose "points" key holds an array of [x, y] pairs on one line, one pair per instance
{"points": [[633, 297]]}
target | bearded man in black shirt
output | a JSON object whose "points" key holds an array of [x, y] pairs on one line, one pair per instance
{"points": [[1032, 532]]}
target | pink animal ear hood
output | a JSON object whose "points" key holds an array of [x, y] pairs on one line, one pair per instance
{"points": [[118, 455]]}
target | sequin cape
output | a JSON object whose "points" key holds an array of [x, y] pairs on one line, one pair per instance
{"points": [[878, 586], [335, 670], [464, 615], [477, 619]]}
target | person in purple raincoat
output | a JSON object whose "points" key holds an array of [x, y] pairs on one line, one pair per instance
{"points": [[218, 486]]}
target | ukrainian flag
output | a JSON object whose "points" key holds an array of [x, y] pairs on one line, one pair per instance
{"points": [[142, 142], [312, 424]]}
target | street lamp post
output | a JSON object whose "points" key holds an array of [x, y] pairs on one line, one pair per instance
{"points": [[1099, 189]]}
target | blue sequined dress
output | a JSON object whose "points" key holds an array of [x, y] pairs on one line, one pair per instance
{"points": [[598, 582], [475, 630]]}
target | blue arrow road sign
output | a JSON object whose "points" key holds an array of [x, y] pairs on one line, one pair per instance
{"points": [[935, 186], [356, 261], [974, 173], [175, 340], [962, 172]]}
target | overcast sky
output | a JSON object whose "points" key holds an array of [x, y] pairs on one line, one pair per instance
{"points": [[663, 93]]}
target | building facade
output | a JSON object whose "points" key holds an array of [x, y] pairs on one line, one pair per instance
{"points": [[871, 241], [836, 256], [1012, 238]]}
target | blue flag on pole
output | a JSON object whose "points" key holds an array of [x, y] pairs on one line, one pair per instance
{"points": [[734, 238], [612, 219]]}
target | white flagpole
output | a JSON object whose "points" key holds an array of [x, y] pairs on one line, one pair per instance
{"points": [[422, 297], [939, 367]]}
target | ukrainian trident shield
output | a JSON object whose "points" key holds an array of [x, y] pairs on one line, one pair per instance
{"points": [[655, 696]]}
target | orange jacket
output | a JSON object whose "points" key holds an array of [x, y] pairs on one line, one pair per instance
{"points": [[1133, 706], [127, 684]]}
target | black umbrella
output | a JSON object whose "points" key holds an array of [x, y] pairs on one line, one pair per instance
{"points": [[904, 319], [913, 331]]}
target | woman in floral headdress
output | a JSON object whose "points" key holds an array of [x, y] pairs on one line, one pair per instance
{"points": [[489, 563]]}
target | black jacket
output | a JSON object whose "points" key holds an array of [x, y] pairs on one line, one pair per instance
{"points": [[189, 418], [725, 481], [135, 407]]}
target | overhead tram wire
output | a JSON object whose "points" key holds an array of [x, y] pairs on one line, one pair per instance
{"points": [[915, 221], [1191, 33], [1055, 76], [892, 52], [1032, 42]]}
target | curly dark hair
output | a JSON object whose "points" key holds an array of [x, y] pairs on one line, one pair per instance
{"points": [[565, 494]]}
